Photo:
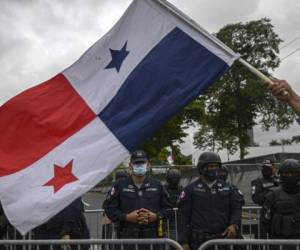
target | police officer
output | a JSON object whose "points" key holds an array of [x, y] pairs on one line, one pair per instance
{"points": [[172, 185], [282, 204], [138, 203], [209, 208], [70, 223], [262, 185], [174, 189]]}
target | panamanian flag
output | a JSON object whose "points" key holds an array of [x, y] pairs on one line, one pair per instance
{"points": [[61, 137]]}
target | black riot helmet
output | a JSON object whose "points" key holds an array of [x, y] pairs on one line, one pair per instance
{"points": [[289, 175], [121, 174], [289, 166], [173, 177], [207, 158], [267, 168], [223, 173]]}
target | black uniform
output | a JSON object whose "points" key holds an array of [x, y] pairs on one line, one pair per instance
{"points": [[126, 197], [282, 213], [70, 221], [3, 223], [260, 187], [174, 193], [223, 175], [204, 213], [281, 207]]}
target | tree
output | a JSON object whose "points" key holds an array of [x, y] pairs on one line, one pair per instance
{"points": [[286, 142], [238, 101]]}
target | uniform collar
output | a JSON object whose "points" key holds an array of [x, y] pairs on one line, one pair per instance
{"points": [[144, 184]]}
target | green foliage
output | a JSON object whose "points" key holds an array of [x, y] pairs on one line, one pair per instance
{"points": [[286, 142], [238, 101]]}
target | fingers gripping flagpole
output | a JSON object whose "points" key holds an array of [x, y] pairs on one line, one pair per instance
{"points": [[197, 27]]}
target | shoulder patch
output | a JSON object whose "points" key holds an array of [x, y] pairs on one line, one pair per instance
{"points": [[182, 195], [112, 191]]}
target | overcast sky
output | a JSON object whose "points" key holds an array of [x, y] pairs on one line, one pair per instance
{"points": [[40, 38]]}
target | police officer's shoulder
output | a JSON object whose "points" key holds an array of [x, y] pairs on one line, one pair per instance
{"points": [[190, 187], [118, 185], [257, 181], [122, 182], [186, 192], [253, 182]]}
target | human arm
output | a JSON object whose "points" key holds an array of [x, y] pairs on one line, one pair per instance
{"points": [[184, 205], [235, 213], [71, 216], [282, 90], [112, 206]]}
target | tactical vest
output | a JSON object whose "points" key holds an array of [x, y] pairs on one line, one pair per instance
{"points": [[286, 214]]}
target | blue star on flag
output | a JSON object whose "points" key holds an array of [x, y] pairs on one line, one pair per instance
{"points": [[117, 57]]}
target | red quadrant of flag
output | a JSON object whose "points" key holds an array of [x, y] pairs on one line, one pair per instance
{"points": [[37, 120]]}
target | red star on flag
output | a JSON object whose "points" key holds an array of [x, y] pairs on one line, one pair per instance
{"points": [[62, 176]]}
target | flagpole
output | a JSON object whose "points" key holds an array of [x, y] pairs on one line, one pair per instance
{"points": [[198, 28], [255, 71]]}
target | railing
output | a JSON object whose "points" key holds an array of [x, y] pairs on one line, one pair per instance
{"points": [[251, 226], [248, 244], [134, 244], [102, 228]]}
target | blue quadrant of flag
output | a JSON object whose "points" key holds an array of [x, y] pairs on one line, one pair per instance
{"points": [[149, 96]]}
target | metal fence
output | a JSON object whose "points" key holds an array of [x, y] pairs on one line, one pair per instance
{"points": [[251, 244], [251, 226], [101, 227], [102, 244]]}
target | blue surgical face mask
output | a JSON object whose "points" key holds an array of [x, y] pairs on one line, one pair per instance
{"points": [[139, 169]]}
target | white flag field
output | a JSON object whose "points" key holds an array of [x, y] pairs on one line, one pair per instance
{"points": [[65, 135]]}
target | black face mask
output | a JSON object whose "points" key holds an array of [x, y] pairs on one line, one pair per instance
{"points": [[267, 172], [289, 183], [210, 175]]}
